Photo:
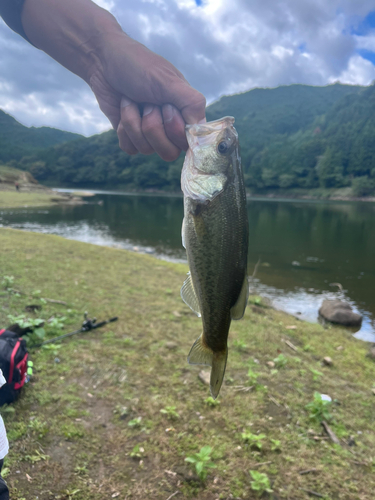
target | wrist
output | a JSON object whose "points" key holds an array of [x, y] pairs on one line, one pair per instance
{"points": [[70, 31]]}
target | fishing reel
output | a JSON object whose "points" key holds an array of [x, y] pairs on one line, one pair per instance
{"points": [[88, 324]]}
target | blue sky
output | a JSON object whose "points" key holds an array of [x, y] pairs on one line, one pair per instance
{"points": [[221, 46]]}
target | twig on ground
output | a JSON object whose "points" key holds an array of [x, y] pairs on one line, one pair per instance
{"points": [[356, 462], [307, 471], [292, 346], [242, 388], [170, 473], [173, 494], [313, 493], [330, 433], [260, 464], [53, 301], [274, 401]]}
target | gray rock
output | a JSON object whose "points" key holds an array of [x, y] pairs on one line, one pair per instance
{"points": [[340, 312], [204, 377], [171, 345]]}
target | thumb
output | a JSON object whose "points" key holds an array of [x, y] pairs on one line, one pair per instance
{"points": [[190, 102]]}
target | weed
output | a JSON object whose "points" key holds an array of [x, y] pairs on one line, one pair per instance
{"points": [[7, 282], [261, 483], [81, 470], [276, 445], [55, 325], [38, 332], [37, 457], [170, 412], [38, 427], [202, 462], [71, 493], [135, 422], [54, 348], [211, 401], [254, 440], [137, 451], [318, 409], [240, 345], [252, 377], [280, 361], [316, 374]]}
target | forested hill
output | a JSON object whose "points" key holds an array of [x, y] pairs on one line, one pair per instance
{"points": [[16, 140], [294, 136]]}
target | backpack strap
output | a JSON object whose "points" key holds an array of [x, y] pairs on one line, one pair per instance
{"points": [[11, 368], [22, 367]]}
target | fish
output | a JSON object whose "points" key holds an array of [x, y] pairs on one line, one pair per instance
{"points": [[215, 234]]}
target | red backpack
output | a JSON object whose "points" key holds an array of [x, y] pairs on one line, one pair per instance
{"points": [[13, 363]]}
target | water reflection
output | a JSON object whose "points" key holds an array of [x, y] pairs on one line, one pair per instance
{"points": [[303, 246]]}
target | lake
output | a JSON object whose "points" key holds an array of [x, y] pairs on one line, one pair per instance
{"points": [[303, 246]]}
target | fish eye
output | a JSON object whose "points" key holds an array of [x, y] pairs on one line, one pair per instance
{"points": [[222, 147]]}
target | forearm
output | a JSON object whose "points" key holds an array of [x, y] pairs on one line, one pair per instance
{"points": [[70, 31]]}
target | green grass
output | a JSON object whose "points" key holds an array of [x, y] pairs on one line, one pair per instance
{"points": [[70, 432], [14, 199]]}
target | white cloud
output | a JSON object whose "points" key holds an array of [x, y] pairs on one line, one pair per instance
{"points": [[359, 72], [221, 47]]}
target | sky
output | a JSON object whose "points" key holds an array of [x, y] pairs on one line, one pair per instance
{"points": [[222, 47]]}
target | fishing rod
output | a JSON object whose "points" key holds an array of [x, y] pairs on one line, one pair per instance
{"points": [[87, 325]]}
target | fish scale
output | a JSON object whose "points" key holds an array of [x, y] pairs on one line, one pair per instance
{"points": [[215, 235]]}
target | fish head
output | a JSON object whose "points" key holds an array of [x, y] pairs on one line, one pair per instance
{"points": [[212, 145], [211, 157]]}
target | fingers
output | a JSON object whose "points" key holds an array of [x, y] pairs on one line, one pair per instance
{"points": [[190, 102], [131, 135], [153, 130], [147, 134], [174, 126]]}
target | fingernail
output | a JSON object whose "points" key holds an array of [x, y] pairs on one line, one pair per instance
{"points": [[148, 109], [202, 121], [125, 102], [168, 113]]}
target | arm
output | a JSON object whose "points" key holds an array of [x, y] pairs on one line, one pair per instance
{"points": [[121, 72]]}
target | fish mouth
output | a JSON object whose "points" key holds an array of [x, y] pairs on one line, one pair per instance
{"points": [[206, 133]]}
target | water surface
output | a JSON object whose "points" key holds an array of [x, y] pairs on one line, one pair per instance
{"points": [[303, 246]]}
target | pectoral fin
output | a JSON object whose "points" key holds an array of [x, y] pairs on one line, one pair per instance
{"points": [[238, 310], [189, 296]]}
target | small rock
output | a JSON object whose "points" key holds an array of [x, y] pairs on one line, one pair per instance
{"points": [[325, 397], [171, 345], [339, 348], [371, 353], [340, 312], [291, 327], [204, 377], [373, 391], [270, 364], [327, 361], [177, 314]]}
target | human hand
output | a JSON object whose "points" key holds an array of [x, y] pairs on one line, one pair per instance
{"points": [[122, 73], [131, 78]]}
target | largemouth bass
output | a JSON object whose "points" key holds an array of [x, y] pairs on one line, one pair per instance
{"points": [[215, 235]]}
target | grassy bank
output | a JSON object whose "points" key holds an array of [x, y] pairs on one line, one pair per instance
{"points": [[113, 413], [14, 199]]}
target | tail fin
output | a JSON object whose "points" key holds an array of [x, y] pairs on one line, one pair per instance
{"points": [[201, 354]]}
